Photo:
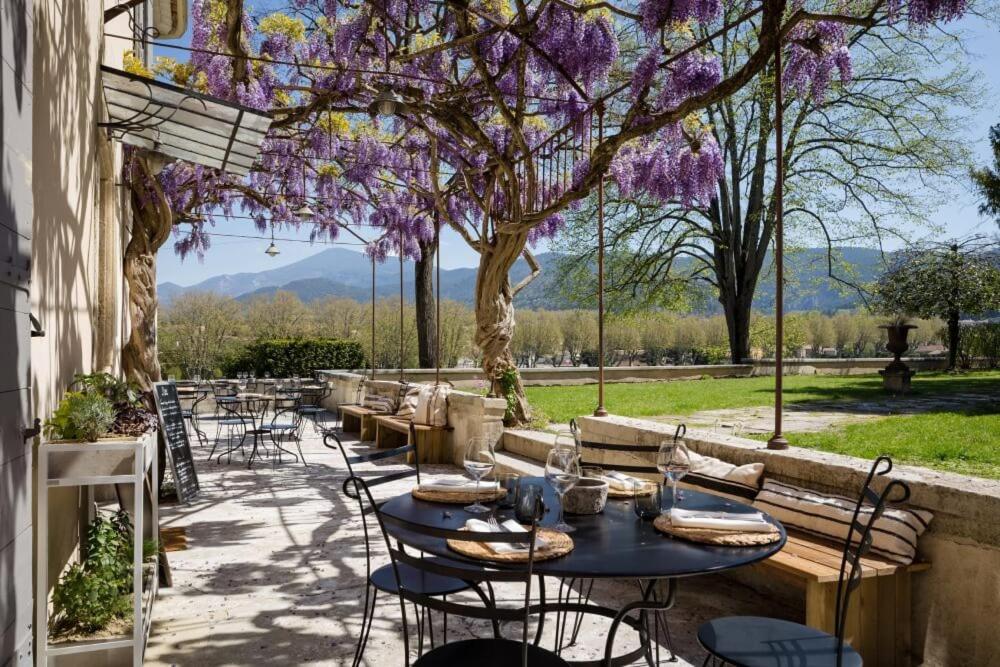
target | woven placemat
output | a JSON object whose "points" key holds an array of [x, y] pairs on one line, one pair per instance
{"points": [[458, 497], [556, 544], [719, 537]]}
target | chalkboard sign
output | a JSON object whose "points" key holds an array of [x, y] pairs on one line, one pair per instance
{"points": [[175, 436]]}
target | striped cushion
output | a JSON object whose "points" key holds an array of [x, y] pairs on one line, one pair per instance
{"points": [[894, 535], [380, 404], [723, 479], [409, 403]]}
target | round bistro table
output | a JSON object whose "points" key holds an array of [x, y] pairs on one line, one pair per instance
{"points": [[614, 544]]}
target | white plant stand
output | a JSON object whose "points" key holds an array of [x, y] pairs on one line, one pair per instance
{"points": [[62, 464]]}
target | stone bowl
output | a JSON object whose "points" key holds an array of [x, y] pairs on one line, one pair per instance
{"points": [[589, 496]]}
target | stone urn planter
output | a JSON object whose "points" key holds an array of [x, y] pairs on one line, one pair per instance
{"points": [[896, 376]]}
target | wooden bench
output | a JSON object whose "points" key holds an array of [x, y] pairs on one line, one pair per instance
{"points": [[878, 619], [358, 419], [431, 441]]}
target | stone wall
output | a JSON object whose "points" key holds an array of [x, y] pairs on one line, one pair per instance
{"points": [[469, 415], [956, 602], [474, 378]]}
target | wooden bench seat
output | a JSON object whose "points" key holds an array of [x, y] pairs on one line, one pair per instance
{"points": [[358, 419], [878, 619], [395, 431]]}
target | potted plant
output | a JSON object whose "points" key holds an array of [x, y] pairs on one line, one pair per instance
{"points": [[97, 409]]}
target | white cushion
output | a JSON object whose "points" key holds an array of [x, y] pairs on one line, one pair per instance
{"points": [[723, 479], [894, 535], [409, 403], [381, 404]]}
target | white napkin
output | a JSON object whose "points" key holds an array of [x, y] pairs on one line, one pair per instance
{"points": [[456, 484], [619, 481], [510, 526], [753, 522]]}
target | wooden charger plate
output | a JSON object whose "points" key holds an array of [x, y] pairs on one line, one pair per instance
{"points": [[556, 544], [457, 497], [618, 494], [717, 537]]}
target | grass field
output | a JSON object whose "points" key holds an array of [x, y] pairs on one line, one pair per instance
{"points": [[966, 441]]}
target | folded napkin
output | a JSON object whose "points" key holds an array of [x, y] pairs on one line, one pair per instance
{"points": [[619, 481], [457, 484], [752, 522], [508, 526]]}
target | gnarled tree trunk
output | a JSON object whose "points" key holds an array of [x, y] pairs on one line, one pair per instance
{"points": [[151, 222], [426, 310], [495, 323]]}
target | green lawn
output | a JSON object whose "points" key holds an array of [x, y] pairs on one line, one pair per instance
{"points": [[965, 441]]}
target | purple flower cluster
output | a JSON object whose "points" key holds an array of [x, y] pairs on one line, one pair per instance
{"points": [[657, 13], [815, 50]]}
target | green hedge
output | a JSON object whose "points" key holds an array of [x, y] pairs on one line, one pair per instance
{"points": [[981, 342], [301, 356]]}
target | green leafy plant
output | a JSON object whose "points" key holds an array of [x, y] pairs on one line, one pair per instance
{"points": [[81, 416], [93, 593], [112, 388]]}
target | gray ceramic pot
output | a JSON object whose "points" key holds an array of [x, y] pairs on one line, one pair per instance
{"points": [[588, 497]]}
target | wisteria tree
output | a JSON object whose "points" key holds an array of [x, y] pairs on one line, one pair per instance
{"points": [[494, 117]]}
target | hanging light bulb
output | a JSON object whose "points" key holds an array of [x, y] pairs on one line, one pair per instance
{"points": [[304, 212], [272, 249], [386, 103]]}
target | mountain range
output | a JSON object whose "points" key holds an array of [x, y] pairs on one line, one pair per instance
{"points": [[339, 272]]}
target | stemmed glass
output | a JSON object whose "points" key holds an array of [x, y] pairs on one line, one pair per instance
{"points": [[674, 461], [479, 462], [562, 471]]}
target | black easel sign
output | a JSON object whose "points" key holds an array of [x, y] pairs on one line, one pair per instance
{"points": [[175, 436]]}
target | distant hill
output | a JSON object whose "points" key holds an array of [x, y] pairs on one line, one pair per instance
{"points": [[339, 272]]}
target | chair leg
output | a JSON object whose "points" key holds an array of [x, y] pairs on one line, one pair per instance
{"points": [[371, 593]]}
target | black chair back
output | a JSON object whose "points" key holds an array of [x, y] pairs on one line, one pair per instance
{"points": [[585, 447], [859, 538], [399, 533]]}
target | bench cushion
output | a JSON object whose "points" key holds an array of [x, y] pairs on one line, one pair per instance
{"points": [[380, 404], [894, 535], [723, 479], [409, 403]]}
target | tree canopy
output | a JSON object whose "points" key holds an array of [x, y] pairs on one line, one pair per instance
{"points": [[491, 116], [987, 179]]}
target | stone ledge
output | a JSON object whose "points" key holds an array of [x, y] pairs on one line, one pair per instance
{"points": [[531, 444], [964, 507]]}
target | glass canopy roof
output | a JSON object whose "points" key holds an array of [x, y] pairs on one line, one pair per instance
{"points": [[181, 123]]}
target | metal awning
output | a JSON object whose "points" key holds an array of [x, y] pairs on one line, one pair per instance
{"points": [[182, 123]]}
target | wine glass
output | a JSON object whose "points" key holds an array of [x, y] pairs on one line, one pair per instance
{"points": [[479, 462], [674, 461], [562, 471]]}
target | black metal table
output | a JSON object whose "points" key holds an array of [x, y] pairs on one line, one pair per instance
{"points": [[615, 544]]}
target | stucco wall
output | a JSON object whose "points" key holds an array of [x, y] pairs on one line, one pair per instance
{"points": [[957, 602], [77, 292]]}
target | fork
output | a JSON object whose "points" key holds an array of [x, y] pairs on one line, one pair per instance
{"points": [[496, 526]]}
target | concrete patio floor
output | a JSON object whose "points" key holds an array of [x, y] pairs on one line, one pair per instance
{"points": [[274, 569]]}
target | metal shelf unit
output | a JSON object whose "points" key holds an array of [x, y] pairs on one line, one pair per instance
{"points": [[121, 462]]}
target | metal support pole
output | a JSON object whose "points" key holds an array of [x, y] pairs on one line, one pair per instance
{"points": [[401, 306], [437, 298], [778, 440], [600, 411], [373, 318]]}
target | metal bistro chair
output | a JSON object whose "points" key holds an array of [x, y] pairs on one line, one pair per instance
{"points": [[286, 425], [486, 652], [586, 587], [384, 578], [190, 413], [311, 405], [756, 641]]}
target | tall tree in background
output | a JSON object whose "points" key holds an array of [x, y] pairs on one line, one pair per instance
{"points": [[853, 154], [987, 179], [946, 281]]}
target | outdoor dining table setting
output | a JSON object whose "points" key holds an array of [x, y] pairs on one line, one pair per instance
{"points": [[594, 524]]}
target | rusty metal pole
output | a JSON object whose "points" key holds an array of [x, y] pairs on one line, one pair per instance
{"points": [[373, 318], [437, 299], [601, 411], [400, 305], [778, 440]]}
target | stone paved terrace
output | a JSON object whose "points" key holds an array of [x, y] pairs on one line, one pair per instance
{"points": [[273, 574]]}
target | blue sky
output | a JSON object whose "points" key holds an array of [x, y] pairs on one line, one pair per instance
{"points": [[233, 255]]}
